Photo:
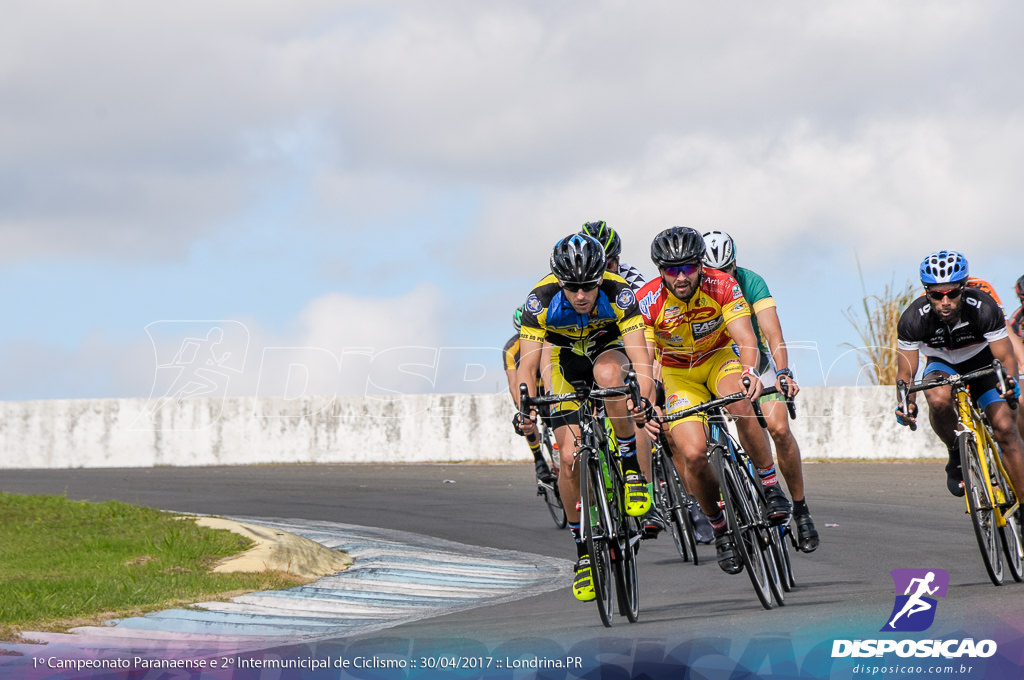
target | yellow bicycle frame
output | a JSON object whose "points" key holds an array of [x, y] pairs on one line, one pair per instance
{"points": [[970, 420]]}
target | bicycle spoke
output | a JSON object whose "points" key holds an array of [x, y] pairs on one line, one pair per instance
{"points": [[980, 508]]}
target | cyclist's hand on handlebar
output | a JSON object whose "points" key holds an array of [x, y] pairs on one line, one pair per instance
{"points": [[907, 418], [525, 427], [642, 413], [751, 383], [1012, 390], [654, 425], [786, 383]]}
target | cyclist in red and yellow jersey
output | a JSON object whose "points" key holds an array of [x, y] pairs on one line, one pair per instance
{"points": [[699, 324]]}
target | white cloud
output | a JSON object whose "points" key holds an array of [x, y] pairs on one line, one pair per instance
{"points": [[130, 129]]}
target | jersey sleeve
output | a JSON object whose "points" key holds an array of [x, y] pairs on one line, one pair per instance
{"points": [[907, 328], [732, 302], [510, 353], [532, 325], [627, 310]]}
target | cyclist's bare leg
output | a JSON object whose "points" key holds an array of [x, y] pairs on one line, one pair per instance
{"points": [[941, 413], [786, 448], [689, 446], [568, 480], [1009, 440], [610, 371], [751, 433]]}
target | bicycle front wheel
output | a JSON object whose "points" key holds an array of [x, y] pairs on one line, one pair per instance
{"points": [[624, 549], [595, 518], [740, 517], [980, 507]]}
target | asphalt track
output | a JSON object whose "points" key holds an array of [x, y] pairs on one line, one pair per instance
{"points": [[873, 517]]}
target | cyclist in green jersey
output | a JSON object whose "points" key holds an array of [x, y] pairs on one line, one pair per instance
{"points": [[721, 255]]}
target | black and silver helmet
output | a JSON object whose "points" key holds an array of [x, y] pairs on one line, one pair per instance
{"points": [[720, 250], [677, 245], [578, 259], [608, 237]]}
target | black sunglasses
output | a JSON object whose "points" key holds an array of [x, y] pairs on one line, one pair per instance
{"points": [[577, 287], [952, 293]]}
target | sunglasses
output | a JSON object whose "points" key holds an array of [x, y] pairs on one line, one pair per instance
{"points": [[684, 269], [577, 287], [952, 294]]}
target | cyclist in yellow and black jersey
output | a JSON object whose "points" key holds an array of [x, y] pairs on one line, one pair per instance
{"points": [[510, 358], [592, 320]]}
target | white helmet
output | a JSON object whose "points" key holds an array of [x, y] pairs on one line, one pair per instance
{"points": [[721, 251]]}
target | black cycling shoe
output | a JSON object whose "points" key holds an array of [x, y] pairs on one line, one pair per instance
{"points": [[652, 523], [806, 534], [954, 477], [779, 506], [701, 526], [544, 473], [727, 559]]}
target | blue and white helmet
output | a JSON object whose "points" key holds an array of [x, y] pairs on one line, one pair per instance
{"points": [[721, 250], [945, 266]]}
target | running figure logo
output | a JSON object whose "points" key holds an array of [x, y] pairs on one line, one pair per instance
{"points": [[914, 610]]}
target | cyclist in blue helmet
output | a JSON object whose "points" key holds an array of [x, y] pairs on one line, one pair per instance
{"points": [[958, 329]]}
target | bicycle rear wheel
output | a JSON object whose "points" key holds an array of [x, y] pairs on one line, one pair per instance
{"points": [[552, 498], [674, 504], [739, 515], [595, 517], [1009, 533], [979, 506]]}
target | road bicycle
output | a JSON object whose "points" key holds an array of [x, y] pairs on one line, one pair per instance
{"points": [[548, 490], [673, 501], [992, 502], [755, 541], [612, 537]]}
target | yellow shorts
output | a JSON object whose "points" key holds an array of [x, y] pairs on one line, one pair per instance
{"points": [[688, 387]]}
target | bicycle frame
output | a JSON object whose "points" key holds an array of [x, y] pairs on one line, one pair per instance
{"points": [[970, 419]]}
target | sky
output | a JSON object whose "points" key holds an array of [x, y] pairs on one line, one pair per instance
{"points": [[350, 198]]}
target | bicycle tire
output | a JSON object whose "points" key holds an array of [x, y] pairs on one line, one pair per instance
{"points": [[624, 565], [740, 521], [673, 501], [1009, 533], [769, 540], [552, 497], [786, 571], [979, 507], [596, 522]]}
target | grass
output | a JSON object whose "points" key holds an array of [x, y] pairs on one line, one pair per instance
{"points": [[65, 563], [877, 331]]}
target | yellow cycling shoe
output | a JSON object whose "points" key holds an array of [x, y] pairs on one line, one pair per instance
{"points": [[583, 582], [638, 497]]}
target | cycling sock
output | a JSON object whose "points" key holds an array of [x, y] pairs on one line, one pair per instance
{"points": [[718, 523], [767, 475], [581, 546], [535, 450], [627, 450], [800, 507]]}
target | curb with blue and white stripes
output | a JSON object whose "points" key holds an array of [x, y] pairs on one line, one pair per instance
{"points": [[396, 578]]}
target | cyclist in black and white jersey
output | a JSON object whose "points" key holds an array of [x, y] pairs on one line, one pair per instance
{"points": [[612, 243], [958, 329]]}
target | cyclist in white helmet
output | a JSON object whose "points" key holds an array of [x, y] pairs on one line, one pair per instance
{"points": [[721, 255]]}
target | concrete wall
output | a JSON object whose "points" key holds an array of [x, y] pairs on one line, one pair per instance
{"points": [[832, 423]]}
